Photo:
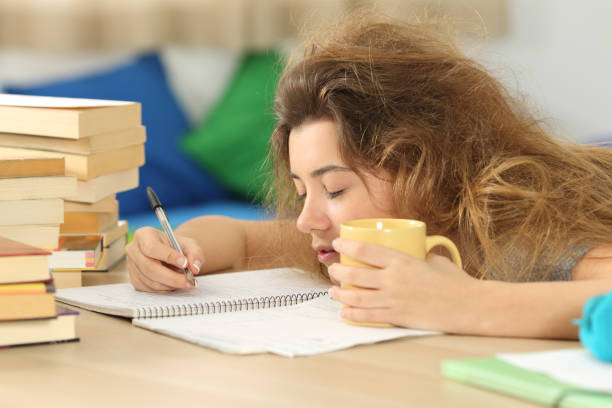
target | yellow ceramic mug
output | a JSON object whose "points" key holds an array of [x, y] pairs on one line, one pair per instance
{"points": [[408, 236]]}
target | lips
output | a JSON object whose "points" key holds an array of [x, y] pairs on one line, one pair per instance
{"points": [[326, 254]]}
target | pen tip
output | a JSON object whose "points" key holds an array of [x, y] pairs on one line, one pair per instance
{"points": [[153, 200]]}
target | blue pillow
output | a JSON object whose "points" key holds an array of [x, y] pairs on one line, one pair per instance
{"points": [[175, 178]]}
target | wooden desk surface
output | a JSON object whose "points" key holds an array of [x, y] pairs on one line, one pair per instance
{"points": [[118, 365]]}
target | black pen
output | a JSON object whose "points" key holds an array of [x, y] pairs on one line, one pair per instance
{"points": [[163, 220]]}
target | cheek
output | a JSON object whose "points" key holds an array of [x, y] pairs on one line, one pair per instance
{"points": [[360, 204], [361, 207], [377, 201], [367, 208], [339, 213]]}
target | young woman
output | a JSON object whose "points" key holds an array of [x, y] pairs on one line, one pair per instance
{"points": [[386, 119]]}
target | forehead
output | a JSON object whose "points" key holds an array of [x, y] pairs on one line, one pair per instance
{"points": [[313, 143]]}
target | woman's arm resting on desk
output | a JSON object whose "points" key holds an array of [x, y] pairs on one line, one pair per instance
{"points": [[435, 294], [230, 243], [209, 243]]}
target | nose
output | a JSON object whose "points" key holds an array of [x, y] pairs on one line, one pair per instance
{"points": [[313, 217]]}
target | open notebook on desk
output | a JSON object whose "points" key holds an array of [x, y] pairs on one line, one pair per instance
{"points": [[282, 311]]}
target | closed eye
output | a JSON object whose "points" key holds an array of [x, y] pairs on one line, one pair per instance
{"points": [[330, 195], [334, 194]]}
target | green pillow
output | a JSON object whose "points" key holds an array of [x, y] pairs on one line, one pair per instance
{"points": [[233, 140]]}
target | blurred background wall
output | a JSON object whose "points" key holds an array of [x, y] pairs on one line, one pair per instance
{"points": [[557, 53], [554, 51]]}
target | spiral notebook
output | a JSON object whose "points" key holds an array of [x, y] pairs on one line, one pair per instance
{"points": [[217, 293], [283, 311]]}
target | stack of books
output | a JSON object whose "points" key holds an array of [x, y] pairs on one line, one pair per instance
{"points": [[31, 199], [102, 145], [28, 313]]}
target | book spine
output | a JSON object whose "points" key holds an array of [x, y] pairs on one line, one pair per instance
{"points": [[224, 306]]}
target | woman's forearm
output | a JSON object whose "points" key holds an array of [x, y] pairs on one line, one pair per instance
{"points": [[222, 239], [535, 309], [241, 244]]}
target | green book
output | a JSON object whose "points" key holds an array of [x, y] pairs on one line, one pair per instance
{"points": [[497, 375]]}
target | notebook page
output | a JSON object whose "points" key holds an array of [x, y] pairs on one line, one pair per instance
{"points": [[123, 300], [577, 367], [308, 328]]}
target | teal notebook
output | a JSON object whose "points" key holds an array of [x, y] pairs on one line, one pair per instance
{"points": [[497, 375]]}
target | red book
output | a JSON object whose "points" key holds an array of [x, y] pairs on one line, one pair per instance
{"points": [[20, 262]]}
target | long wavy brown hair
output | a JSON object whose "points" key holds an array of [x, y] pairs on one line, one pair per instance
{"points": [[471, 160]]}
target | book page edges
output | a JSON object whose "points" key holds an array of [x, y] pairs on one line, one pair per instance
{"points": [[74, 123]]}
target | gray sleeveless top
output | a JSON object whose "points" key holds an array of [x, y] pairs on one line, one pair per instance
{"points": [[561, 270]]}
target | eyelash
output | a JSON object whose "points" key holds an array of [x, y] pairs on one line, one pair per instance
{"points": [[330, 195], [334, 194]]}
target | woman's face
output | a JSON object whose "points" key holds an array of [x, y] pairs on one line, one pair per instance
{"points": [[331, 193]]}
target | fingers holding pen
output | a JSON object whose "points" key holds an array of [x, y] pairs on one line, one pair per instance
{"points": [[154, 273], [194, 254], [159, 249], [142, 283], [153, 244], [153, 265]]}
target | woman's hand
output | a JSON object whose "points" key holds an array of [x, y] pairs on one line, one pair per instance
{"points": [[155, 266], [433, 294]]}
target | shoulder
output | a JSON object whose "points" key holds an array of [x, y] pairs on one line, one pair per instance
{"points": [[596, 263]]}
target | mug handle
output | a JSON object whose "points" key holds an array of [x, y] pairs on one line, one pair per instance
{"points": [[435, 240]]}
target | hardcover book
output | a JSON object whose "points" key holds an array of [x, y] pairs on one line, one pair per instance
{"points": [[20, 262]]}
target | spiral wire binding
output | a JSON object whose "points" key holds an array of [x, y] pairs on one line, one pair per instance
{"points": [[223, 306]]}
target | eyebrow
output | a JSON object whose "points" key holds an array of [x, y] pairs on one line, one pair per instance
{"points": [[322, 170]]}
